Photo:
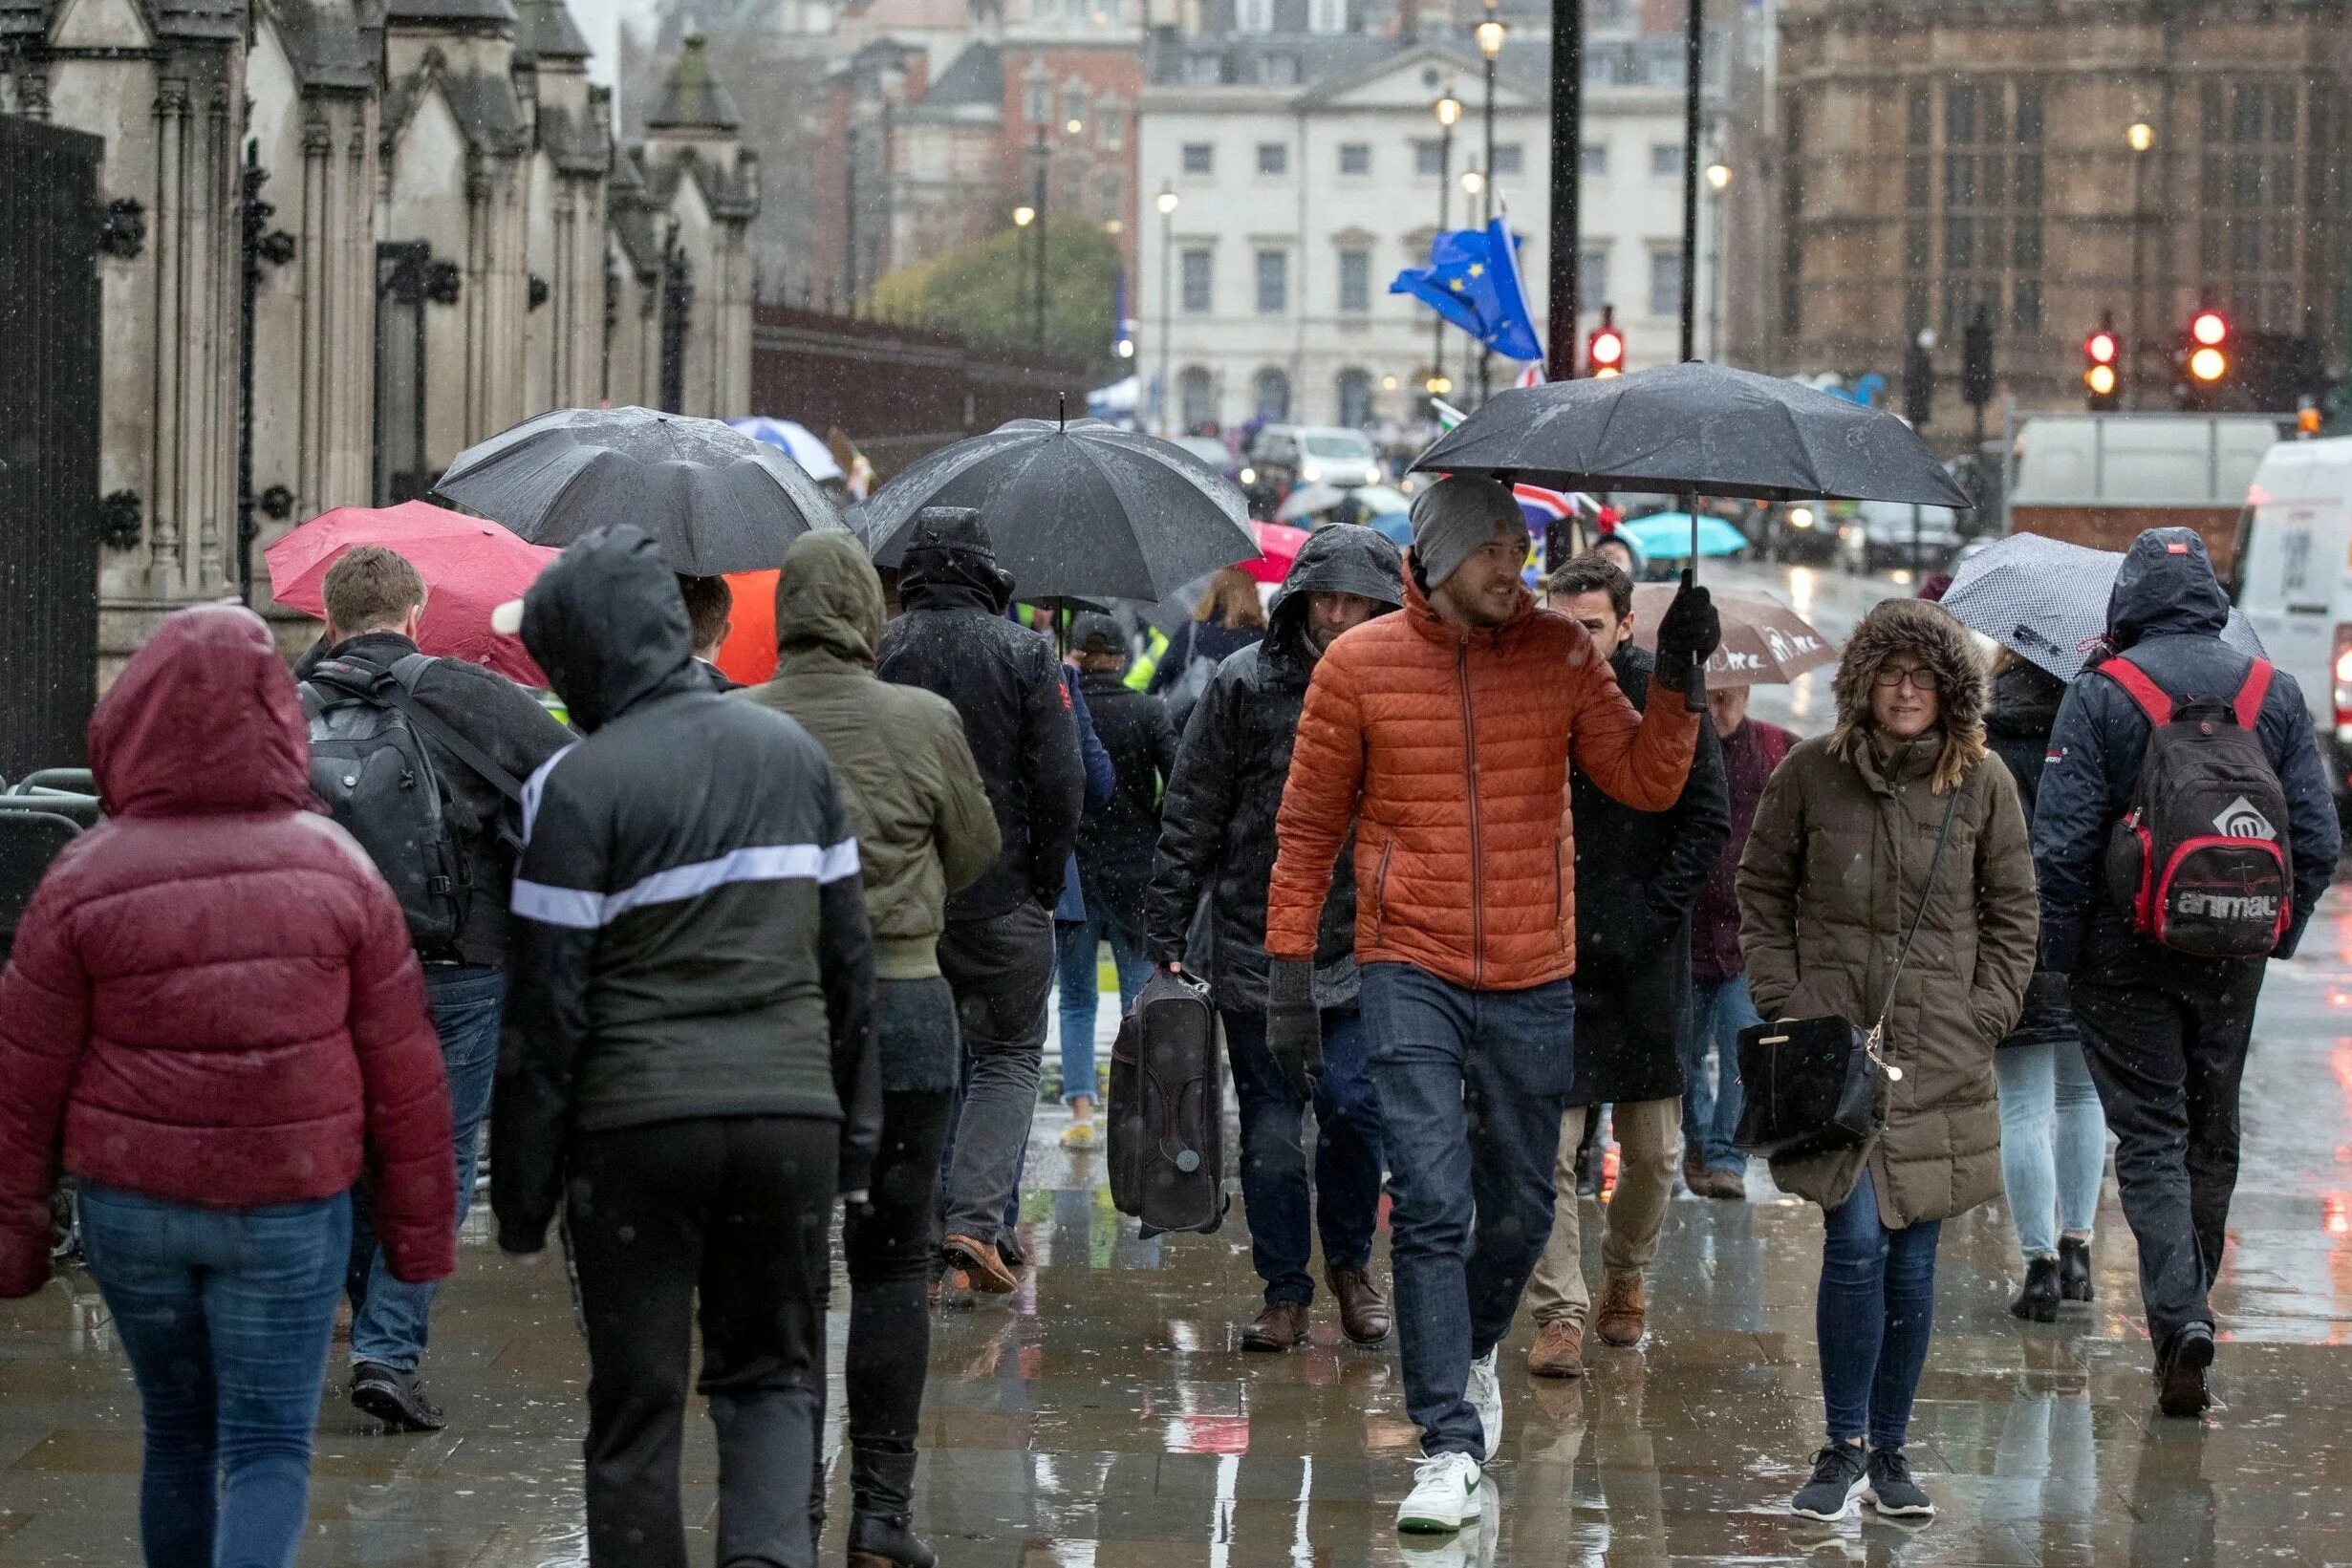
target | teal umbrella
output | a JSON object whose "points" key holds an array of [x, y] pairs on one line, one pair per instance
{"points": [[1667, 535]]}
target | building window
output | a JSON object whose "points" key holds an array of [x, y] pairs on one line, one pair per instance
{"points": [[1592, 160], [1273, 282], [1196, 398], [1273, 394], [1253, 15], [1274, 158], [1355, 282], [1074, 103], [1355, 398], [1428, 159], [2249, 217], [1591, 280], [1073, 186], [1510, 160], [1037, 101], [1111, 192], [1326, 15], [1279, 71], [1666, 160], [1666, 283], [1200, 158], [1987, 190], [1195, 263], [1355, 158]]}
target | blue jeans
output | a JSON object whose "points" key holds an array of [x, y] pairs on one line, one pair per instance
{"points": [[389, 1318], [1080, 983], [2054, 1143], [1347, 1195], [1472, 1085], [1873, 1318], [224, 1314], [1720, 1009]]}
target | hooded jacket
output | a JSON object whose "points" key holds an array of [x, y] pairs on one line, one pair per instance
{"points": [[1447, 748], [1217, 820], [1834, 871], [212, 999], [1003, 681], [2166, 610], [690, 926], [922, 820], [1116, 835]]}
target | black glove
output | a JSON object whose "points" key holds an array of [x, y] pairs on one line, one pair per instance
{"points": [[1689, 633], [1293, 1025], [2049, 1001]]}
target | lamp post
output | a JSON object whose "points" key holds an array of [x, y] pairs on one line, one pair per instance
{"points": [[1719, 180], [1023, 216], [1690, 63], [1489, 35], [1167, 299], [1449, 111], [2140, 138]]}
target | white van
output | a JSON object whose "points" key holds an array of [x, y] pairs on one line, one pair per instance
{"points": [[2295, 583]]}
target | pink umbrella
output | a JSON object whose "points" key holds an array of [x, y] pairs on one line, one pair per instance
{"points": [[471, 566], [1278, 546]]}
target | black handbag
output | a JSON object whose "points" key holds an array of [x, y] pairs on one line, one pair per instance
{"points": [[1817, 1086]]}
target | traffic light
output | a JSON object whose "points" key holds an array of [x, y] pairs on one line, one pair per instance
{"points": [[1604, 348], [2100, 350], [1919, 380], [2209, 347], [1977, 360]]}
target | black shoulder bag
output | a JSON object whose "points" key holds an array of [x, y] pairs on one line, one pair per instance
{"points": [[1817, 1086]]}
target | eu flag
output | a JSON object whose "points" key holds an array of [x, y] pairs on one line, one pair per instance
{"points": [[1473, 281]]}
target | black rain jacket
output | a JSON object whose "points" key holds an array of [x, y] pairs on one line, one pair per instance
{"points": [[689, 933], [1217, 820], [1117, 838]]}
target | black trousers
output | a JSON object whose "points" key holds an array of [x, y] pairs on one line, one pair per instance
{"points": [[732, 1210], [889, 1251], [2166, 1037]]}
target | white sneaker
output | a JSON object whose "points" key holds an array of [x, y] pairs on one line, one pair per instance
{"points": [[1444, 1495], [1485, 1395]]}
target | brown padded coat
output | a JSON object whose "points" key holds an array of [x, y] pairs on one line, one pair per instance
{"points": [[1447, 748], [1833, 871]]}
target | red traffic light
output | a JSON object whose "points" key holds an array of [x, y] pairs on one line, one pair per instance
{"points": [[2210, 327], [2099, 347], [1604, 350]]}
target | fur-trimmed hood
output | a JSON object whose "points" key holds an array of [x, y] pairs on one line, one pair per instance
{"points": [[1941, 644]]}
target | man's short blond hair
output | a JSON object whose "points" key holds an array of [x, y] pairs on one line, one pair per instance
{"points": [[371, 588]]}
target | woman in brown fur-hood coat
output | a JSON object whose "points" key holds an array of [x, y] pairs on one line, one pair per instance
{"points": [[1834, 870]]}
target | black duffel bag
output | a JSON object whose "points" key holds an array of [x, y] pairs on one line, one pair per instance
{"points": [[1818, 1085]]}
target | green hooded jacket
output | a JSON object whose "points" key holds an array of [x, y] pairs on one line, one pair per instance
{"points": [[923, 822]]}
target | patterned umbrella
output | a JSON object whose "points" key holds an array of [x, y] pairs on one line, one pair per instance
{"points": [[1765, 643], [2047, 599]]}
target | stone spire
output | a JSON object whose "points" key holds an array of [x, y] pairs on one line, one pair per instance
{"points": [[693, 99]]}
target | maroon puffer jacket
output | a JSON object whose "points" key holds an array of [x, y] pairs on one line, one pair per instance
{"points": [[213, 992]]}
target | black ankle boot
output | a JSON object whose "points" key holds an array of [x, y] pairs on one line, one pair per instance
{"points": [[882, 1528], [2039, 1299], [2074, 1269]]}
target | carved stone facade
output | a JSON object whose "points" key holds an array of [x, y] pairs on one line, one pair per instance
{"points": [[439, 234]]}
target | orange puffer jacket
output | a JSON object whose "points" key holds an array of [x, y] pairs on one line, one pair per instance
{"points": [[1448, 749]]}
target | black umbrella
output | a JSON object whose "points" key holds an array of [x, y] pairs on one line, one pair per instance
{"points": [[1696, 428], [712, 497], [1081, 509]]}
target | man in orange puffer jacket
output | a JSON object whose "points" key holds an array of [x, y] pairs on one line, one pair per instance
{"points": [[1442, 736]]}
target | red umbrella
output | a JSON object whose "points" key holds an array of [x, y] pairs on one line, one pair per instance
{"points": [[1278, 546], [471, 566]]}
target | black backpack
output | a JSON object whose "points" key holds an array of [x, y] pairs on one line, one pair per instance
{"points": [[2199, 862], [369, 764]]}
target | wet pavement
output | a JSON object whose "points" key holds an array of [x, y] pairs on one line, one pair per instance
{"points": [[1105, 1416]]}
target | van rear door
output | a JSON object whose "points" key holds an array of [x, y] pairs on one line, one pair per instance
{"points": [[2296, 587]]}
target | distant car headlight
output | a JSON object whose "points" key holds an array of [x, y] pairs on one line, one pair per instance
{"points": [[1249, 475], [1311, 472]]}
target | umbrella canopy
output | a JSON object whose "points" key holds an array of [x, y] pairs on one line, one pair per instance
{"points": [[1308, 499], [471, 566], [2046, 598], [1706, 429], [1666, 536], [1278, 546], [796, 441], [1078, 510], [713, 499], [1765, 643]]}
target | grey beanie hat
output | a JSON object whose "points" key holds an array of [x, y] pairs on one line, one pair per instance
{"points": [[1454, 518]]}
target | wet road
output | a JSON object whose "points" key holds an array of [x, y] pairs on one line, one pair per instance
{"points": [[1105, 1416]]}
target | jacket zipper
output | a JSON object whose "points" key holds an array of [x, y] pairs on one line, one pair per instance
{"points": [[1470, 777], [1380, 893]]}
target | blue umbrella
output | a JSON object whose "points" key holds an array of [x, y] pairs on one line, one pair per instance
{"points": [[1666, 536]]}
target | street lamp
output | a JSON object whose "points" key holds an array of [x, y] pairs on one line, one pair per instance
{"points": [[1023, 216], [1167, 204], [1489, 35], [1718, 177], [1448, 112], [2140, 137], [1473, 182], [1719, 180]]}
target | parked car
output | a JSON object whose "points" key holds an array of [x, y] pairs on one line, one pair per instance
{"points": [[1885, 534], [1314, 454], [1208, 449]]}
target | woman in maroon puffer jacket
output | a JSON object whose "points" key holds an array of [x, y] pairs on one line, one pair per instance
{"points": [[213, 996]]}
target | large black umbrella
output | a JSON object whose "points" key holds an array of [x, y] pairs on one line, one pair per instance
{"points": [[714, 499], [1081, 509], [1696, 428]]}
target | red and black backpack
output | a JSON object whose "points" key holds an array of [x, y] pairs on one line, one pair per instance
{"points": [[2199, 862]]}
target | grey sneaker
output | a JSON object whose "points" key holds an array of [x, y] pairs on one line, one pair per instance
{"points": [[1890, 1488], [394, 1398], [1838, 1478]]}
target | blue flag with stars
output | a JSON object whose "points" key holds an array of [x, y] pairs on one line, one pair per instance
{"points": [[1473, 281]]}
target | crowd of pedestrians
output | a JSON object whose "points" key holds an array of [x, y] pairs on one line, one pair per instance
{"points": [[713, 962]]}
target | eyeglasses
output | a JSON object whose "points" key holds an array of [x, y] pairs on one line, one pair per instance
{"points": [[1921, 679]]}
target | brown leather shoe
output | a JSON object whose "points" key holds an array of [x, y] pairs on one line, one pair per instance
{"points": [[1624, 1311], [1695, 1175], [982, 1265], [1558, 1351], [1363, 1311], [1281, 1325], [1732, 1185]]}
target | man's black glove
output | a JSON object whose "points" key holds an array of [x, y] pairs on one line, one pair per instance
{"points": [[1293, 1026], [1689, 633], [2049, 1005]]}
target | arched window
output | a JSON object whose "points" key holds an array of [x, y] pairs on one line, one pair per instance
{"points": [[1196, 398], [1355, 398], [1273, 394]]}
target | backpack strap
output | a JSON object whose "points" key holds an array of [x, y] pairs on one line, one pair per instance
{"points": [[2250, 695], [2143, 691], [405, 672]]}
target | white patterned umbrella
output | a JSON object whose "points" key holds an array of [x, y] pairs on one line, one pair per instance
{"points": [[2047, 600]]}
